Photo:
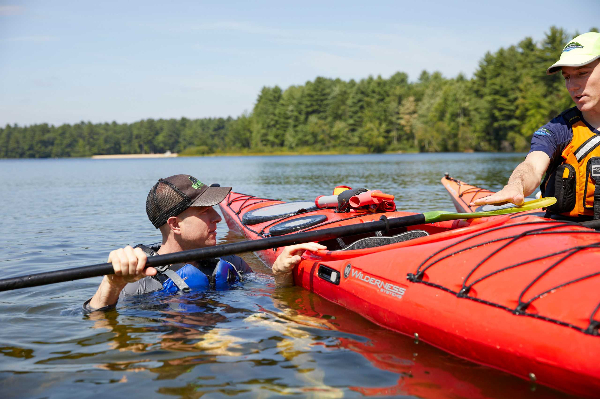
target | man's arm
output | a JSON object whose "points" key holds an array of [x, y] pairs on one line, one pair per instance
{"points": [[288, 259], [522, 182], [128, 264]]}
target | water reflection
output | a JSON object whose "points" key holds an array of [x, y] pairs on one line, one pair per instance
{"points": [[297, 343], [257, 341]]}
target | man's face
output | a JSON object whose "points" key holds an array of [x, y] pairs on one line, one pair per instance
{"points": [[199, 226], [583, 84]]}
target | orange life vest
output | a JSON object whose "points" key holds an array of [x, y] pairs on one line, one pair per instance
{"points": [[573, 185]]}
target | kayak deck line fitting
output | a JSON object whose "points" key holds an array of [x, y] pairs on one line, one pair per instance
{"points": [[245, 198], [521, 308], [516, 292], [476, 192]]}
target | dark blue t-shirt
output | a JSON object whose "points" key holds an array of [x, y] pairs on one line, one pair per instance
{"points": [[553, 138]]}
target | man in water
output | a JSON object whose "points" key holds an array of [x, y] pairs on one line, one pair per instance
{"points": [[181, 207], [567, 149]]}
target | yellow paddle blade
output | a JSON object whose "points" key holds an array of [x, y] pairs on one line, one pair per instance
{"points": [[510, 208], [440, 216]]}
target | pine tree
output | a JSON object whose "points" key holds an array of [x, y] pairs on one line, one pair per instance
{"points": [[407, 114]]}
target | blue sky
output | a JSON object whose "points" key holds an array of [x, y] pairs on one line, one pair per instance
{"points": [[104, 61]]}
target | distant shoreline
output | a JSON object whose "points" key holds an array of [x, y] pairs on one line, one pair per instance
{"points": [[248, 154], [130, 156]]}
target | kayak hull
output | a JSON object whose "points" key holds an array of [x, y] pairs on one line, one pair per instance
{"points": [[491, 290]]}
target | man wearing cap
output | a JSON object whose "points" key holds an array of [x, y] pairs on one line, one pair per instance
{"points": [[567, 149], [181, 207]]}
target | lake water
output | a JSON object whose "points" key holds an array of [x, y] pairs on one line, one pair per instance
{"points": [[258, 341]]}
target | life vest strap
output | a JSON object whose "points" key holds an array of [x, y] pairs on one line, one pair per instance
{"points": [[165, 270], [571, 116], [177, 280], [223, 274], [588, 146]]}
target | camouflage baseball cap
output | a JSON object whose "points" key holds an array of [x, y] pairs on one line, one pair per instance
{"points": [[173, 195]]}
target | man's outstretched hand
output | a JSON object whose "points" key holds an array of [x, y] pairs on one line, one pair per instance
{"points": [[522, 182], [510, 193]]}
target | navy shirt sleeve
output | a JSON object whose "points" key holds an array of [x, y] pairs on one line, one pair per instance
{"points": [[552, 138]]}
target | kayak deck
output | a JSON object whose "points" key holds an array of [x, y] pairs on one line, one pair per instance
{"points": [[517, 293], [236, 206]]}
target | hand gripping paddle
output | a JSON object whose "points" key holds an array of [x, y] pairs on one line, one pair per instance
{"points": [[101, 269]]}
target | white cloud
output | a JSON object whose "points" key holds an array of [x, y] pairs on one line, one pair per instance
{"points": [[236, 52], [11, 10], [362, 53], [384, 61], [34, 39], [221, 26], [240, 27], [236, 86]]}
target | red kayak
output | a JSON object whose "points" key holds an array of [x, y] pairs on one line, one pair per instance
{"points": [[519, 293]]}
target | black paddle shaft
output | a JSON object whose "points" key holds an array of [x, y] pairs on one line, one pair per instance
{"points": [[102, 269]]}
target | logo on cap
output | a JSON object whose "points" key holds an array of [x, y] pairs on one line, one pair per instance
{"points": [[196, 183], [572, 46]]}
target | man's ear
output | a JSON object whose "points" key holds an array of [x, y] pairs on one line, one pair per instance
{"points": [[173, 223]]}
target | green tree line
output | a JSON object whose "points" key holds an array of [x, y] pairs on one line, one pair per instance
{"points": [[498, 109]]}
